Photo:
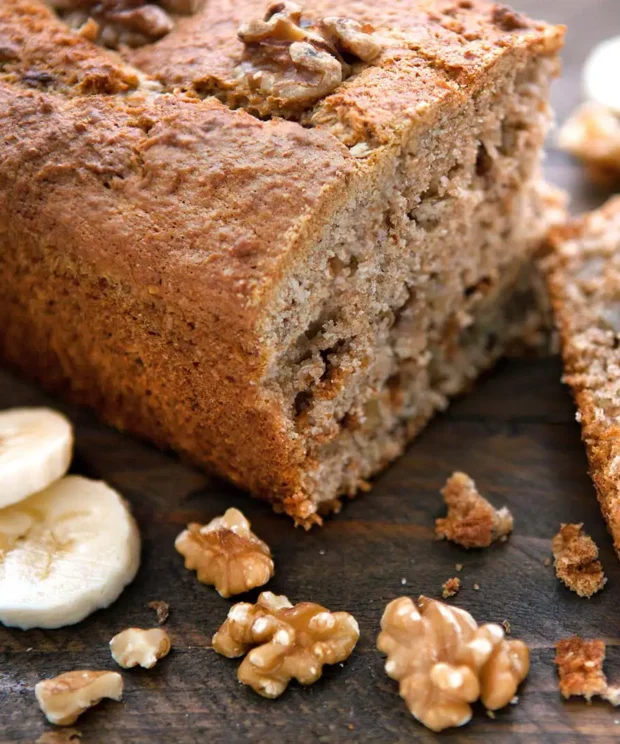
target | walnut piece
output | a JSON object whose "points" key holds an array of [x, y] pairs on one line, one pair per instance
{"points": [[135, 646], [64, 698], [444, 661], [451, 587], [284, 642], [580, 667], [289, 60], [592, 134], [226, 554], [115, 23], [471, 521], [576, 563], [162, 610]]}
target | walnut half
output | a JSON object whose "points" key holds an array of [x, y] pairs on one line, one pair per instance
{"points": [[67, 696], [226, 554], [284, 642], [444, 661]]}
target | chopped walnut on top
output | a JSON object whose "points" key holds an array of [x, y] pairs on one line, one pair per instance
{"points": [[580, 667], [444, 661], [135, 646], [290, 60], [576, 561], [116, 23], [67, 696], [226, 554], [471, 521], [284, 642]]}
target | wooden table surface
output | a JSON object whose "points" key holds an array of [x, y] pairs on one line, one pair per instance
{"points": [[515, 434]]}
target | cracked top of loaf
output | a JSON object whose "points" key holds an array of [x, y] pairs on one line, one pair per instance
{"points": [[202, 189]]}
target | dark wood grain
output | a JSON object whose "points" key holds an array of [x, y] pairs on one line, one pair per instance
{"points": [[515, 434]]}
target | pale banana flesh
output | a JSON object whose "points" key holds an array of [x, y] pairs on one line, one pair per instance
{"points": [[36, 445], [64, 553]]}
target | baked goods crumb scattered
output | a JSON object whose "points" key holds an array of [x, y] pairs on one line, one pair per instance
{"points": [[282, 642], [226, 554], [576, 561], [403, 581], [547, 562], [451, 587], [580, 667], [135, 646], [490, 714], [162, 610], [471, 520], [458, 566], [506, 626], [476, 587], [60, 736], [64, 698], [444, 661]]}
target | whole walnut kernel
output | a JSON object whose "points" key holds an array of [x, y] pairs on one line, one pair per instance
{"points": [[444, 661], [284, 642], [67, 696], [226, 554]]}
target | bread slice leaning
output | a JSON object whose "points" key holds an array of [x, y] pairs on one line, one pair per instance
{"points": [[285, 303], [584, 279]]}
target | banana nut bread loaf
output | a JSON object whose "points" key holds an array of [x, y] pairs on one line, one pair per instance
{"points": [[275, 241], [584, 278]]}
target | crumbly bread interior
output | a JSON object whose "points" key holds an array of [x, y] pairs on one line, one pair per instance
{"points": [[584, 278], [416, 289]]}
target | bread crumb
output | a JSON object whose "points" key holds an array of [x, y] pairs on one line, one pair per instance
{"points": [[162, 609], [491, 714], [580, 667], [458, 566], [60, 736], [471, 520], [476, 587], [507, 628], [403, 581], [576, 561], [547, 562], [451, 587]]}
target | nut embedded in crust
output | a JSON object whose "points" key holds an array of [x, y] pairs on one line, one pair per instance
{"points": [[471, 521], [289, 60], [444, 661], [135, 646], [64, 698], [284, 642], [576, 563], [226, 554]]}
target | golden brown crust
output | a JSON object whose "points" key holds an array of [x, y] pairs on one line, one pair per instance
{"points": [[431, 49], [190, 215], [583, 270]]}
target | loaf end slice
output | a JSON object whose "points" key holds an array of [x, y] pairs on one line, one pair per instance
{"points": [[584, 279]]}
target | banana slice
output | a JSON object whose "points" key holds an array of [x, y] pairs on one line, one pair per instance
{"points": [[600, 74], [64, 553], [35, 450]]}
